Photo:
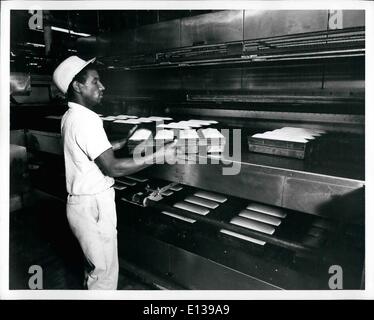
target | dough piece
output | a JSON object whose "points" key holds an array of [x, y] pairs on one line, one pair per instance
{"points": [[211, 133], [191, 207], [174, 125], [109, 118], [202, 202], [167, 193], [126, 182], [276, 212], [258, 216], [287, 138], [178, 217], [125, 121], [177, 187], [252, 224], [210, 196], [188, 136], [130, 121], [122, 117], [145, 120], [202, 122], [164, 135], [280, 135], [141, 135], [156, 118], [189, 124], [316, 132], [125, 116]]}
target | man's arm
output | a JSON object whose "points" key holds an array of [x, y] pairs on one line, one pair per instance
{"points": [[116, 167]]}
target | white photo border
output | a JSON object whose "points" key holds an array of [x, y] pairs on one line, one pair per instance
{"points": [[5, 293]]}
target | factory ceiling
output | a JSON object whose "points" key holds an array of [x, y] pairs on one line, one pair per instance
{"points": [[40, 39]]}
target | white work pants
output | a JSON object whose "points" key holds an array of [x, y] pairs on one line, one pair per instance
{"points": [[93, 221]]}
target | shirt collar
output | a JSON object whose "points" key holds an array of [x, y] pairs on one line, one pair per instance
{"points": [[77, 106]]}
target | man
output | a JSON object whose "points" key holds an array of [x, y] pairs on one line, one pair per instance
{"points": [[90, 166]]}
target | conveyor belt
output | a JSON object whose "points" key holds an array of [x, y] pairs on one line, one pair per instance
{"points": [[245, 220], [298, 245]]}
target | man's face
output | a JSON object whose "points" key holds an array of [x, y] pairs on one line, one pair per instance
{"points": [[92, 89]]}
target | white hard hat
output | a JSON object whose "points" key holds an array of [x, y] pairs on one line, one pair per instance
{"points": [[67, 70]]}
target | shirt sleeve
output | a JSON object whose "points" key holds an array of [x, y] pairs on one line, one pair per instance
{"points": [[92, 139]]}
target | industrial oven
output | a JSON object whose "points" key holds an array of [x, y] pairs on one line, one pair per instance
{"points": [[251, 71]]}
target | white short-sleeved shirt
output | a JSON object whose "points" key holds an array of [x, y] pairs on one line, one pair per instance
{"points": [[84, 139]]}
